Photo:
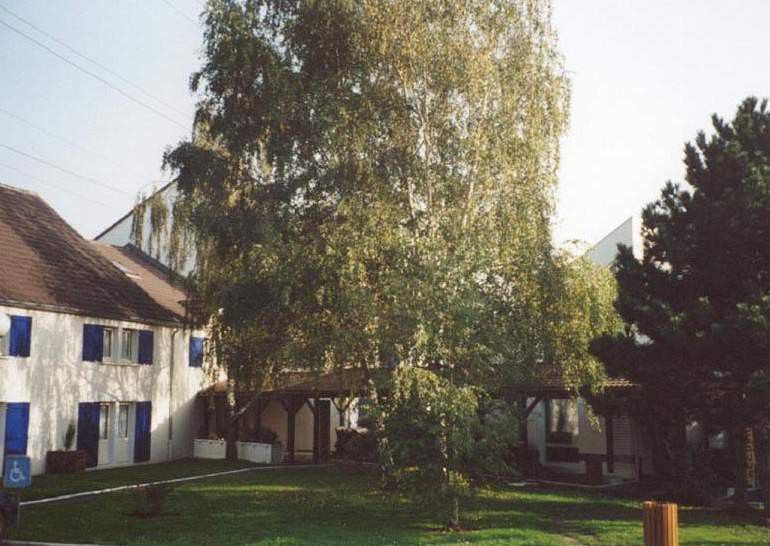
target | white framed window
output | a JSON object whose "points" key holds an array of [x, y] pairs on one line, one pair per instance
{"points": [[123, 420], [110, 338], [104, 421], [129, 345]]}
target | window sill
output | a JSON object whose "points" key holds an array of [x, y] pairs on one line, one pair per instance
{"points": [[120, 364]]}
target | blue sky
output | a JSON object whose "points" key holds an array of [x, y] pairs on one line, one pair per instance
{"points": [[646, 77]]}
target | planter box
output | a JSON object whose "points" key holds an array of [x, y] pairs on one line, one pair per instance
{"points": [[65, 462], [209, 449], [257, 452]]}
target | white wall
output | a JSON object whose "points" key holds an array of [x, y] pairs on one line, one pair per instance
{"points": [[591, 439], [120, 233], [54, 379], [628, 233], [274, 417]]}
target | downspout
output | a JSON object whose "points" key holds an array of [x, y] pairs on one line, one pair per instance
{"points": [[170, 447]]}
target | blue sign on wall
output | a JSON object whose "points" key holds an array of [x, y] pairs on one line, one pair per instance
{"points": [[17, 472]]}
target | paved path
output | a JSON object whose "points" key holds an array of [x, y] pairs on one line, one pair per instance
{"points": [[23, 543]]}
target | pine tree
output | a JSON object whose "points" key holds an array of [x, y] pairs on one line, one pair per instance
{"points": [[697, 305]]}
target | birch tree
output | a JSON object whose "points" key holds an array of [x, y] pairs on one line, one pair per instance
{"points": [[372, 182]]}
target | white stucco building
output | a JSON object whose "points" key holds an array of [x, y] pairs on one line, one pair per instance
{"points": [[303, 414], [565, 432], [94, 338]]}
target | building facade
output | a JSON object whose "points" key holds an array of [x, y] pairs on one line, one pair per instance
{"points": [[94, 339], [565, 431]]}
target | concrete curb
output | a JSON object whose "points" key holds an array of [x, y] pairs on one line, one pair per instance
{"points": [[580, 485], [160, 482]]}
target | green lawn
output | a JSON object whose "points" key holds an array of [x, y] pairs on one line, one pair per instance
{"points": [[49, 485], [325, 506]]}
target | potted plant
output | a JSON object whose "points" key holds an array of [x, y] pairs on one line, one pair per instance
{"points": [[66, 461]]}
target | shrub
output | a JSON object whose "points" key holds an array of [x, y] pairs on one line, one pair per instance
{"points": [[356, 444], [264, 435], [69, 437], [65, 462], [440, 439], [149, 500]]}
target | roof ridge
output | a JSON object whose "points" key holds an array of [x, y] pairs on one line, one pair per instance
{"points": [[20, 190], [51, 264]]}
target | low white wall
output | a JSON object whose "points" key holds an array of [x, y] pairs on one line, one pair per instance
{"points": [[254, 452], [210, 449]]}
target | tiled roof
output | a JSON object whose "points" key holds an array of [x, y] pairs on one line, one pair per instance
{"points": [[548, 378], [352, 380], [44, 262], [333, 383], [151, 276]]}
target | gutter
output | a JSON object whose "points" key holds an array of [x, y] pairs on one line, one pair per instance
{"points": [[170, 445], [64, 309]]}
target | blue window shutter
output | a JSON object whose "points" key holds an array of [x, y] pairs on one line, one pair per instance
{"points": [[21, 335], [146, 344], [88, 431], [16, 428], [196, 352], [93, 342], [142, 432]]}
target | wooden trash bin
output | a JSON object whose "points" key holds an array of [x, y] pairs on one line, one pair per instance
{"points": [[661, 524]]}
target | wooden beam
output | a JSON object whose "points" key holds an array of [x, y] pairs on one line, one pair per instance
{"points": [[342, 408], [241, 412], [532, 405]]}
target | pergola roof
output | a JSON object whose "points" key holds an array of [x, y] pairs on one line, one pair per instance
{"points": [[549, 380], [352, 382], [347, 382]]}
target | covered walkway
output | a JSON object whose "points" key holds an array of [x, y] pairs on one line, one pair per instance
{"points": [[303, 410]]}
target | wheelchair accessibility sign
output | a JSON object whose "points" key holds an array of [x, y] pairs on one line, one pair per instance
{"points": [[16, 472]]}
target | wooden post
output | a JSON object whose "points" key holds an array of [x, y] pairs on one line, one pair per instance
{"points": [[523, 429], [313, 405], [661, 524], [342, 407], [610, 440], [290, 415]]}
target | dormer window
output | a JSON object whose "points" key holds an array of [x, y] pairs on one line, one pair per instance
{"points": [[126, 271]]}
